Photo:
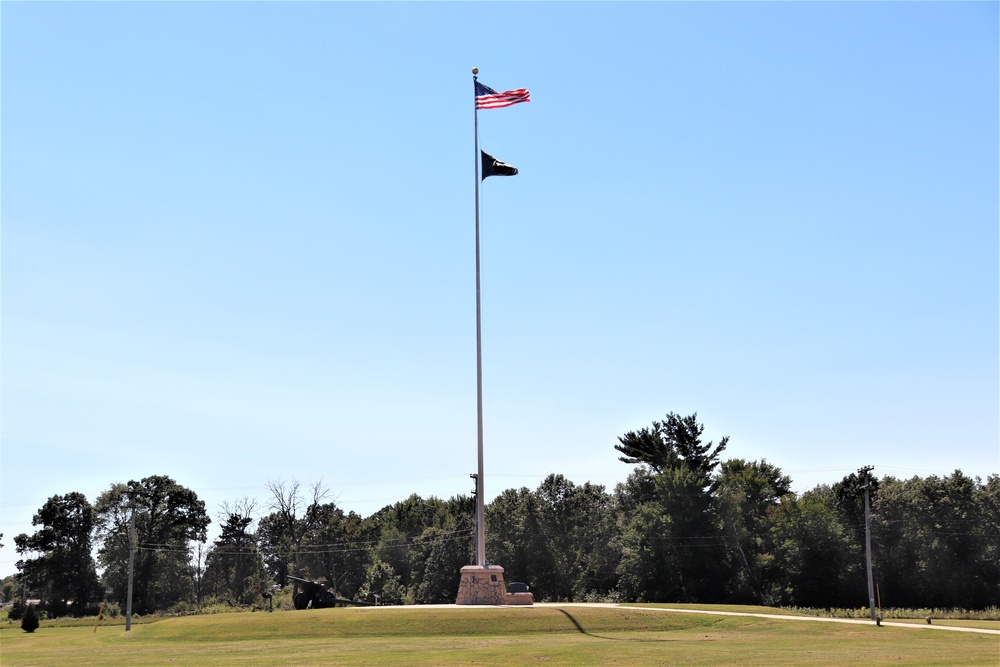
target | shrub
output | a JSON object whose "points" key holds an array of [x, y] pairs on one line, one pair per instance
{"points": [[180, 609], [16, 610], [29, 623], [595, 596]]}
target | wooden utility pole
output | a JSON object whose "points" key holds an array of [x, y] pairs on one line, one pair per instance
{"points": [[868, 538], [131, 561], [132, 492]]}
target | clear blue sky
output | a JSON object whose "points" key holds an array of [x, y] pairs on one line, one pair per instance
{"points": [[237, 242]]}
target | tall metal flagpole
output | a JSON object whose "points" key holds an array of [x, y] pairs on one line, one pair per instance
{"points": [[480, 505]]}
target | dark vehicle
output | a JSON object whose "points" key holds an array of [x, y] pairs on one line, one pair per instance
{"points": [[316, 595]]}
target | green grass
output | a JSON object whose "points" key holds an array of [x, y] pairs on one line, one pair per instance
{"points": [[741, 608], [950, 622], [893, 613], [915, 617], [85, 622], [492, 636]]}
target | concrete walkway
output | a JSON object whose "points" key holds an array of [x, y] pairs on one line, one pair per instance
{"points": [[783, 617]]}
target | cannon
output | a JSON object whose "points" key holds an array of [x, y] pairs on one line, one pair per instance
{"points": [[317, 595]]}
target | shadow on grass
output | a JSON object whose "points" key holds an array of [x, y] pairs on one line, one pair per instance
{"points": [[582, 631]]}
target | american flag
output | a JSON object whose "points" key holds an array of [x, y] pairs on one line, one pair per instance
{"points": [[487, 98]]}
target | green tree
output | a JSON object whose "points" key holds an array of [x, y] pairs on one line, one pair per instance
{"points": [[747, 494], [275, 548], [848, 501], [436, 560], [64, 571], [955, 543], [936, 540], [898, 542], [293, 516], [672, 548], [337, 549], [987, 530], [638, 488], [7, 589], [562, 539], [670, 443], [393, 550], [233, 566], [397, 530], [411, 516], [516, 539], [16, 611], [168, 517], [579, 528], [382, 581], [814, 553], [29, 622], [442, 549]]}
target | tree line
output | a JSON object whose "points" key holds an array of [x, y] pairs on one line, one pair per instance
{"points": [[685, 526]]}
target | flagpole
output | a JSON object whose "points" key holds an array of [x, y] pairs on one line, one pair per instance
{"points": [[480, 504]]}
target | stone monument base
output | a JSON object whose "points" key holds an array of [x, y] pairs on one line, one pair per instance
{"points": [[483, 584]]}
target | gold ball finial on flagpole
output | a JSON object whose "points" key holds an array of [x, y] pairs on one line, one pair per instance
{"points": [[475, 70]]}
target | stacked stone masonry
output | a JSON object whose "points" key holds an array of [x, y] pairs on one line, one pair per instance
{"points": [[484, 585]]}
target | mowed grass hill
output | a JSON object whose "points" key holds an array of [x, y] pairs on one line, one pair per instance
{"points": [[547, 634]]}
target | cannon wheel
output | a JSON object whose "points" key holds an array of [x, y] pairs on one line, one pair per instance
{"points": [[301, 600]]}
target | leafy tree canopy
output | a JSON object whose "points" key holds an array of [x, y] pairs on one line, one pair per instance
{"points": [[168, 517], [64, 568]]}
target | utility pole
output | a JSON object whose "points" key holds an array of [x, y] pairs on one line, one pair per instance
{"points": [[131, 560], [132, 492], [868, 538]]}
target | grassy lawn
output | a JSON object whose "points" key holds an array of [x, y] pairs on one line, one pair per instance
{"points": [[741, 608], [491, 636], [776, 611], [985, 625]]}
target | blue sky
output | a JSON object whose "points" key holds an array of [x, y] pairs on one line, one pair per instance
{"points": [[237, 242]]}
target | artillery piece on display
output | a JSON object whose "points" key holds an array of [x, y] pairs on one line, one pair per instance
{"points": [[317, 595]]}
